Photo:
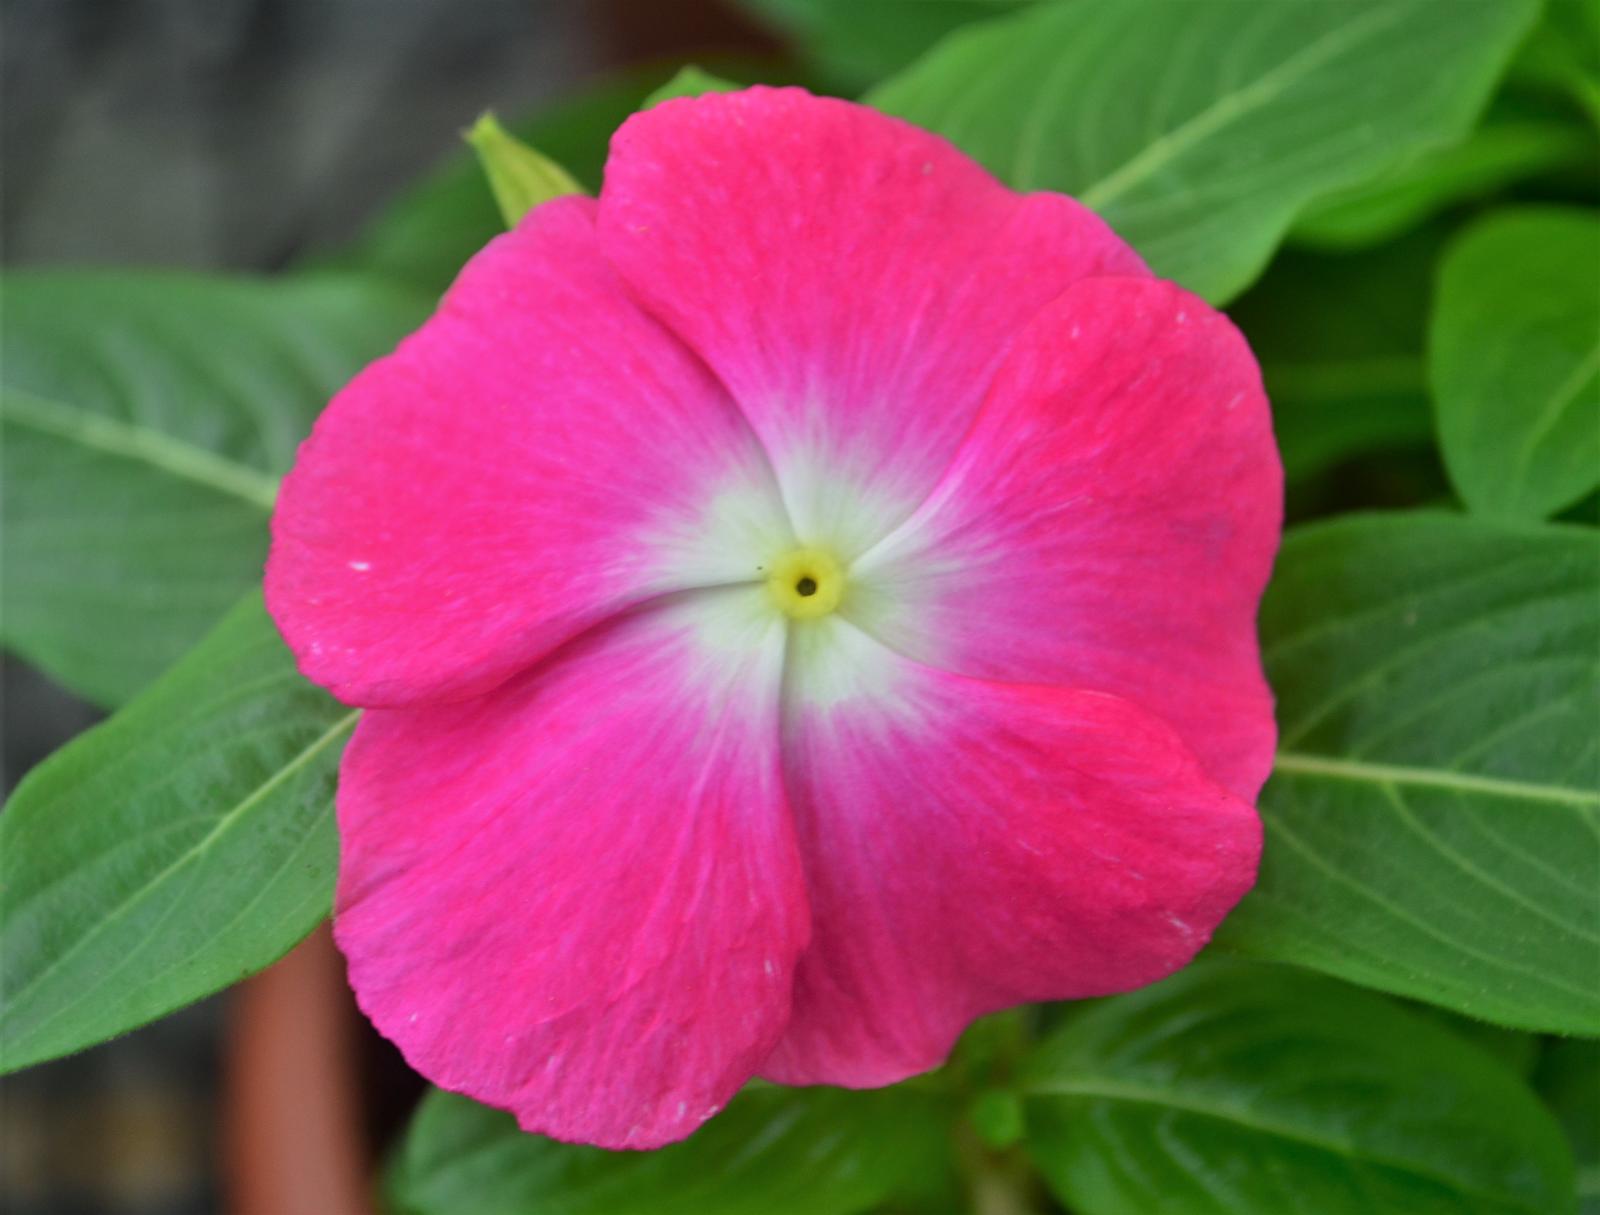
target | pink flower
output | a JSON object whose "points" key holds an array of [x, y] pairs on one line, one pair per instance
{"points": [[804, 600]]}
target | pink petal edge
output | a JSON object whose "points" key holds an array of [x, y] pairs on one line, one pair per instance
{"points": [[538, 457], [578, 897], [572, 883], [972, 845], [1110, 523], [854, 280]]}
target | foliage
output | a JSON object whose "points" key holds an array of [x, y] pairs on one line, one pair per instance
{"points": [[178, 847], [1199, 130], [520, 177], [1435, 805], [815, 1152], [1260, 1090], [147, 419], [1363, 1036], [1515, 359]]}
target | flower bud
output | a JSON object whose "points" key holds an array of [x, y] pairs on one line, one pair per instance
{"points": [[520, 177]]}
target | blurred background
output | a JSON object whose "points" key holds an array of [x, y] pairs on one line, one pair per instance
{"points": [[247, 135]]}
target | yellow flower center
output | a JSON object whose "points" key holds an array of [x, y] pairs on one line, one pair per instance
{"points": [[806, 583]]}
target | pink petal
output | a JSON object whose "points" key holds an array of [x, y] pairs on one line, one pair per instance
{"points": [[853, 280], [578, 897], [539, 455], [1109, 523], [971, 845]]}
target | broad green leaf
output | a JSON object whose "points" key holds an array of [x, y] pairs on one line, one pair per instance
{"points": [[1233, 1089], [1516, 1049], [856, 42], [1568, 1078], [170, 851], [1433, 821], [1199, 130], [1515, 361], [1340, 341], [520, 177], [774, 1151], [147, 417], [689, 81], [1496, 155]]}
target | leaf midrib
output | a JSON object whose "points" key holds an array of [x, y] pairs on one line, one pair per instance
{"points": [[1297, 763], [1563, 395], [131, 441], [1230, 107], [13, 1000], [1118, 1090]]}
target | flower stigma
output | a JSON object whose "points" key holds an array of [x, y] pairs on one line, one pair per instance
{"points": [[806, 583]]}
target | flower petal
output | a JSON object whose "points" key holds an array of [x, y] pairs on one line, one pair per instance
{"points": [[540, 454], [578, 897], [970, 845], [1109, 523], [854, 280]]}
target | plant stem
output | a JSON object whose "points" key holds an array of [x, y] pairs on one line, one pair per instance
{"points": [[997, 1184]]}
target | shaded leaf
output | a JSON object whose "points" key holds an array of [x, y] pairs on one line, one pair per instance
{"points": [[1232, 1089], [1496, 155], [1199, 130], [1562, 56], [174, 849], [147, 418], [1340, 340], [773, 1151], [1433, 821], [1568, 1078], [1518, 1050], [856, 42], [1515, 361]]}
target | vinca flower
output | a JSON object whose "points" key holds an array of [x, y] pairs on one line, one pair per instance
{"points": [[803, 599]]}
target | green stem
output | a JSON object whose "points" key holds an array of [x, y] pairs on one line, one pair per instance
{"points": [[997, 1183]]}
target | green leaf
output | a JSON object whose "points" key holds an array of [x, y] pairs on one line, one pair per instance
{"points": [[774, 1151], [1493, 157], [1515, 361], [1562, 56], [1253, 1090], [520, 177], [170, 851], [1516, 1049], [1568, 1078], [1199, 130], [857, 42], [690, 81], [147, 418], [1340, 341], [1433, 823], [996, 1118]]}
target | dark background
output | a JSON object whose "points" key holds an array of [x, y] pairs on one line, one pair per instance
{"points": [[240, 135]]}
